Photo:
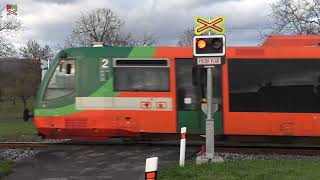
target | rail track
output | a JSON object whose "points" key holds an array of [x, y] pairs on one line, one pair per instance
{"points": [[279, 149], [25, 145]]}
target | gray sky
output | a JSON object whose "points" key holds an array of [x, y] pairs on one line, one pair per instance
{"points": [[50, 21]]}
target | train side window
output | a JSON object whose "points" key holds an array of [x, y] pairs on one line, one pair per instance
{"points": [[274, 85], [69, 67], [62, 82], [60, 67], [187, 85], [141, 75]]}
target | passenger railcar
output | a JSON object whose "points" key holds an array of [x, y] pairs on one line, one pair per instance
{"points": [[103, 92]]}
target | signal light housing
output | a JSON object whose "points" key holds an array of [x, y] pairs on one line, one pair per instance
{"points": [[209, 45]]}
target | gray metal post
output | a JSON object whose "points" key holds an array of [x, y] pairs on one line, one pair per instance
{"points": [[209, 120]]}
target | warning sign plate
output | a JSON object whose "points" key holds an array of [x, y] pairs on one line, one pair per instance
{"points": [[208, 60]]}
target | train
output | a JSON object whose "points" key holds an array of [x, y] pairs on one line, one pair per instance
{"points": [[97, 93]]}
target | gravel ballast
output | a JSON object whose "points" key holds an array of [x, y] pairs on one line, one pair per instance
{"points": [[16, 154], [237, 157]]}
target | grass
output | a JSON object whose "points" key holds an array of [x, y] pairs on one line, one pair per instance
{"points": [[12, 126], [8, 109], [18, 131], [6, 168], [248, 170]]}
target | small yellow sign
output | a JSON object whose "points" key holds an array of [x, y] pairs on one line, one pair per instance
{"points": [[204, 25]]}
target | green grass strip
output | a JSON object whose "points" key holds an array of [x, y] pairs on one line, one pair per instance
{"points": [[6, 168], [245, 170]]}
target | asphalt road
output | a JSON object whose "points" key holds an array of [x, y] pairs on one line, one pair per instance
{"points": [[90, 162]]}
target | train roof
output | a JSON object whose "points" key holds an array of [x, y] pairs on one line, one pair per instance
{"points": [[272, 46], [271, 41], [292, 40]]}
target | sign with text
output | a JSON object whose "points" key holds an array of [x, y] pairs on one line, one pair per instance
{"points": [[208, 60]]}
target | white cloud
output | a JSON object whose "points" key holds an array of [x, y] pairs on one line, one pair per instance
{"points": [[50, 21]]}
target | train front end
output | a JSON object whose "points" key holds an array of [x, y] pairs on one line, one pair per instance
{"points": [[95, 93], [71, 78]]}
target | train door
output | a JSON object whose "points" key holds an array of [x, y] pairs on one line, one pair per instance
{"points": [[188, 97]]}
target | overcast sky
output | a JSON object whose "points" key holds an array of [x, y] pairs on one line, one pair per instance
{"points": [[50, 21]]}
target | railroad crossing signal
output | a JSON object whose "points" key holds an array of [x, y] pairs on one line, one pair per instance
{"points": [[209, 46], [209, 50], [204, 25]]}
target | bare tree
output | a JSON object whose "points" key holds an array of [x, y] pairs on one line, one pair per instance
{"points": [[103, 25], [8, 26], [186, 38], [6, 48], [33, 51], [295, 17], [148, 39], [99, 25]]}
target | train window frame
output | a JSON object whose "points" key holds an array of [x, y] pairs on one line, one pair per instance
{"points": [[116, 65], [62, 62]]}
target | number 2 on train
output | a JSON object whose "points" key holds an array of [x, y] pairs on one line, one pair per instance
{"points": [[105, 63]]}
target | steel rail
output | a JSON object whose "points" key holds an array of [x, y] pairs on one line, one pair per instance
{"points": [[282, 149]]}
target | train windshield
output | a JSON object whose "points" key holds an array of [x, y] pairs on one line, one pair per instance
{"points": [[62, 81]]}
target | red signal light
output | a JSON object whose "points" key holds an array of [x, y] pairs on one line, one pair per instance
{"points": [[201, 43]]}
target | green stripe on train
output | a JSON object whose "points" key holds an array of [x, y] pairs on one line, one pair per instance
{"points": [[56, 111], [146, 52]]}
